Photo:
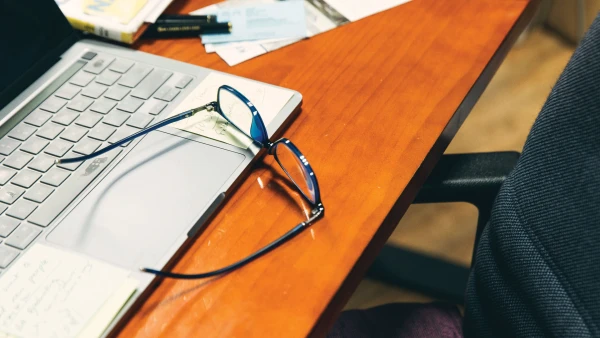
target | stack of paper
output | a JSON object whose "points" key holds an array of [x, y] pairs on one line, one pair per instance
{"points": [[281, 20]]}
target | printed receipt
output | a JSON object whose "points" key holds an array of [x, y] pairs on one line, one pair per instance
{"points": [[268, 100], [55, 293]]}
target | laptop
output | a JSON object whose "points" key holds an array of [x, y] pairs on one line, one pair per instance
{"points": [[61, 96]]}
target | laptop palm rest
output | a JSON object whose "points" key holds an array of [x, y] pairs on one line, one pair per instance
{"points": [[157, 192]]}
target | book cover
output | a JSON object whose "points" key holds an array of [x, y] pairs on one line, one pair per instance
{"points": [[119, 20]]}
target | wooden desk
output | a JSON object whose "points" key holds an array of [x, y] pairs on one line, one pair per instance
{"points": [[382, 99]]}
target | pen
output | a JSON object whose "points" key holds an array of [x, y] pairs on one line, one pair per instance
{"points": [[157, 31], [177, 18], [184, 22]]}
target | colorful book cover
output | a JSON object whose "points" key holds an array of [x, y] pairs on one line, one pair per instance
{"points": [[119, 20]]}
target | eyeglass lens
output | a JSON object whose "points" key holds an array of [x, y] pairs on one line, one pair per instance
{"points": [[239, 114], [235, 110], [295, 169]]}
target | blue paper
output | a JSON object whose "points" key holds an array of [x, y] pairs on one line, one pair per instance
{"points": [[284, 19]]}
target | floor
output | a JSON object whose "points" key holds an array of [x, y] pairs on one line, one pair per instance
{"points": [[500, 121]]}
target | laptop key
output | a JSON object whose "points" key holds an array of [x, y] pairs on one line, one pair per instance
{"points": [[67, 91], [80, 103], [65, 117], [117, 93], [86, 146], [18, 160], [41, 163], [81, 79], [151, 83], [140, 121], [74, 133], [7, 225], [183, 82], [62, 197], [54, 177], [70, 166], [88, 119], [34, 145], [116, 118], [121, 134], [7, 255], [53, 104], [89, 55], [130, 104], [21, 209], [103, 106], [38, 193], [152, 107], [135, 75], [10, 193], [108, 77], [50, 131], [8, 145], [6, 174], [121, 66], [99, 63], [101, 132], [94, 90], [37, 118], [166, 93], [3, 208], [23, 236], [26, 178], [58, 148], [22, 132]]}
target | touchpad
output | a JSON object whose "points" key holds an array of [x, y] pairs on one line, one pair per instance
{"points": [[157, 192]]}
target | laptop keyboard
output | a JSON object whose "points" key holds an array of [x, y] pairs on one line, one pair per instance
{"points": [[108, 99]]}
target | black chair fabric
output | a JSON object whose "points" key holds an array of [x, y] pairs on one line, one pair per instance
{"points": [[537, 270]]}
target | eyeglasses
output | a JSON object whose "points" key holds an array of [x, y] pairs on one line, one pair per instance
{"points": [[242, 114]]}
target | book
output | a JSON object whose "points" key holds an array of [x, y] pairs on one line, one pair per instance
{"points": [[118, 20]]}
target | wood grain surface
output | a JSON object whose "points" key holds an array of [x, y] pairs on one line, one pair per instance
{"points": [[382, 98]]}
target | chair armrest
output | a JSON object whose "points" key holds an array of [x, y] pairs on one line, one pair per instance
{"points": [[474, 178]]}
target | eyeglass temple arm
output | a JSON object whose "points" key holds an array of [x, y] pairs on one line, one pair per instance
{"points": [[178, 117], [273, 245]]}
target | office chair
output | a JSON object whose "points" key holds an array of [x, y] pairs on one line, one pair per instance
{"points": [[536, 271], [471, 178]]}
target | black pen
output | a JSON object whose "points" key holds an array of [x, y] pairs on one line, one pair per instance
{"points": [[178, 18], [157, 31]]}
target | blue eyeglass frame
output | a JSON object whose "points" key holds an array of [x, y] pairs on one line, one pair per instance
{"points": [[259, 135]]}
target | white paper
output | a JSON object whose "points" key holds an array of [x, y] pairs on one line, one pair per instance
{"points": [[268, 100], [321, 16], [54, 293], [318, 20], [238, 54], [212, 47], [107, 313], [355, 10]]}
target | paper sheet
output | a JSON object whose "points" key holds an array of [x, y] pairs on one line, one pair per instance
{"points": [[55, 293], [355, 10], [109, 310], [320, 15], [257, 21], [268, 101]]}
